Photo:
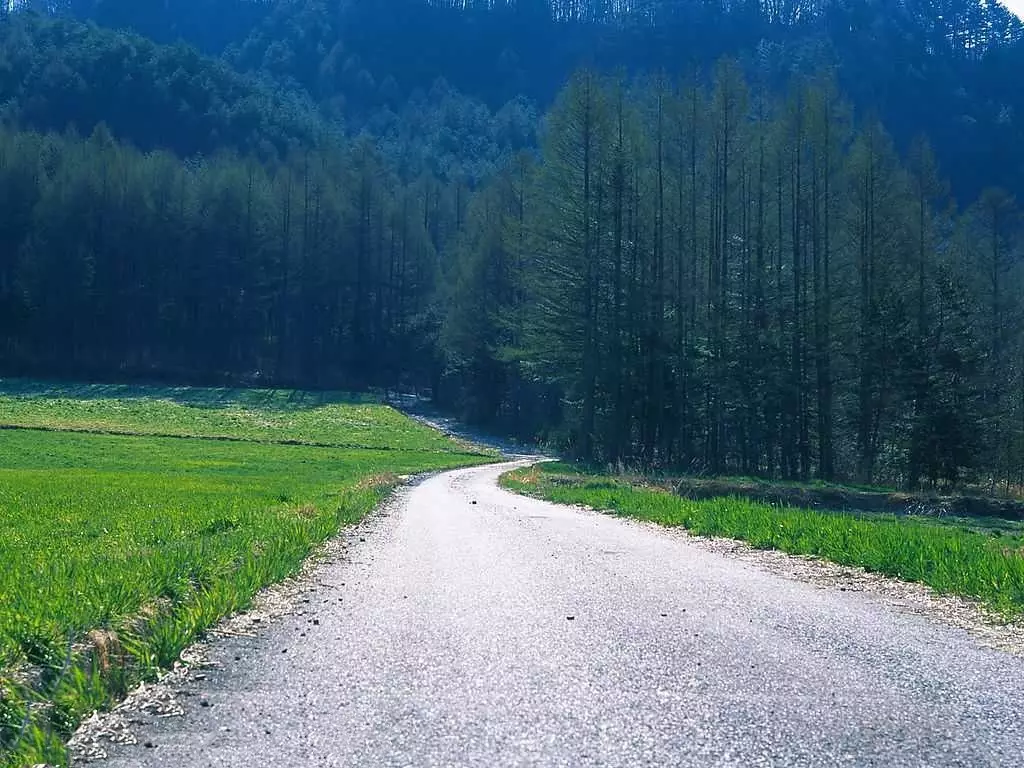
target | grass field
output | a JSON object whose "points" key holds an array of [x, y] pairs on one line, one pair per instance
{"points": [[969, 558], [119, 549], [260, 415]]}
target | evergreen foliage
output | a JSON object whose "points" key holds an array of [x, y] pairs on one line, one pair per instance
{"points": [[750, 263], [114, 262], [724, 281]]}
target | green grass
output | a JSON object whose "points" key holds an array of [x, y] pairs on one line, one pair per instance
{"points": [[951, 557], [748, 480], [283, 416], [153, 539]]}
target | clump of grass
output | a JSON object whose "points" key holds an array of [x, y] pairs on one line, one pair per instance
{"points": [[118, 551], [950, 559]]}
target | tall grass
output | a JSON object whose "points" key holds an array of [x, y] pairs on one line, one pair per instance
{"points": [[950, 559]]}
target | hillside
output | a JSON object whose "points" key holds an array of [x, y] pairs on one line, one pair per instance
{"points": [[773, 240], [947, 68], [58, 74]]}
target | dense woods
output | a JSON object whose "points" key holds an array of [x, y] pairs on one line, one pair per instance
{"points": [[946, 67], [57, 73], [750, 263], [722, 280], [317, 269]]}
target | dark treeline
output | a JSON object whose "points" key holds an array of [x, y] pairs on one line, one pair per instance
{"points": [[728, 282], [317, 270]]}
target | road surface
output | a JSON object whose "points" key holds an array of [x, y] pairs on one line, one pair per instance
{"points": [[478, 628]]}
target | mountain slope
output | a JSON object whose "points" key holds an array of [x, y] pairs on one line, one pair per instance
{"points": [[57, 73]]}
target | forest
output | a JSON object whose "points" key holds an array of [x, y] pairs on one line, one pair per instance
{"points": [[771, 239]]}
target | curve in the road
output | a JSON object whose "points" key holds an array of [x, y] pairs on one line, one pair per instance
{"points": [[479, 628]]}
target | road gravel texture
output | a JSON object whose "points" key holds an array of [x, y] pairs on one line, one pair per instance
{"points": [[473, 627]]}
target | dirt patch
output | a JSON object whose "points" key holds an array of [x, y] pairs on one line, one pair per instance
{"points": [[306, 512], [374, 482], [106, 650]]}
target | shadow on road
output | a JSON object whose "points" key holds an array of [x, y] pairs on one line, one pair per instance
{"points": [[424, 411]]}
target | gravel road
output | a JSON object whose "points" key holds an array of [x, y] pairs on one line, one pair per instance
{"points": [[473, 627]]}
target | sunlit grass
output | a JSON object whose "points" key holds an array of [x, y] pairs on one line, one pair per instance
{"points": [[951, 559], [151, 540], [265, 415]]}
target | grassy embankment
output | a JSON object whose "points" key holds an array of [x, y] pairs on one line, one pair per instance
{"points": [[974, 558], [119, 547]]}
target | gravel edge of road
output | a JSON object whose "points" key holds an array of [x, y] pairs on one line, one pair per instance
{"points": [[986, 627], [271, 605], [274, 603]]}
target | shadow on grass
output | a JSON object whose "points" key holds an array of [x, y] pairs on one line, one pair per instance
{"points": [[192, 397]]}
